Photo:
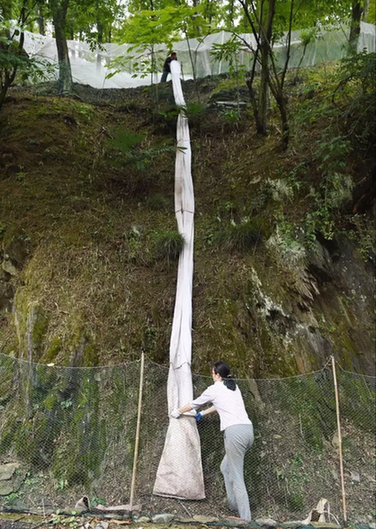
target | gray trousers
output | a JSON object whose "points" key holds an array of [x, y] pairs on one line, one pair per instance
{"points": [[238, 439], [164, 76]]}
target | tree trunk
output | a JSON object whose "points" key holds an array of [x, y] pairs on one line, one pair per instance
{"points": [[8, 75], [100, 32], [265, 38], [365, 10], [261, 122], [40, 21], [99, 41], [356, 14], [59, 12], [3, 93], [285, 125]]}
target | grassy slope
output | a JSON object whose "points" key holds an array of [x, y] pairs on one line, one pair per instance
{"points": [[87, 224]]}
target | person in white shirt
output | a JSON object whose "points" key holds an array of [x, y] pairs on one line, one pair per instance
{"points": [[227, 400]]}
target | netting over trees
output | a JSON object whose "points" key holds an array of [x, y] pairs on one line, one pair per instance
{"points": [[66, 432], [90, 66]]}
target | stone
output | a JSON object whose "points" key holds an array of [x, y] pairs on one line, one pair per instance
{"points": [[204, 519], [12, 169], [6, 487], [355, 476], [7, 470], [4, 276], [266, 522], [163, 518], [233, 521], [6, 295], [334, 474], [17, 249], [231, 104], [324, 525], [142, 519], [9, 268], [112, 516], [102, 525]]}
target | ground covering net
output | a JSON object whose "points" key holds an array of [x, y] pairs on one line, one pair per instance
{"points": [[66, 432]]}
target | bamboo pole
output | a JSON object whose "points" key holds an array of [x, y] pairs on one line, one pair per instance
{"points": [[339, 443], [137, 431]]}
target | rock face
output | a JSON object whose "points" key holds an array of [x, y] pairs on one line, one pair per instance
{"points": [[76, 276], [326, 308], [9, 481]]}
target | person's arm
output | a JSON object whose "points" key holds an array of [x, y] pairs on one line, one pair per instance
{"points": [[208, 411], [179, 411], [184, 409], [206, 396]]}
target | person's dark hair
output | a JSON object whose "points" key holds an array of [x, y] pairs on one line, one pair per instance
{"points": [[222, 369], [173, 53]]}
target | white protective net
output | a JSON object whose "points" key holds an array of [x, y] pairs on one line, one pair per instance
{"points": [[90, 67]]}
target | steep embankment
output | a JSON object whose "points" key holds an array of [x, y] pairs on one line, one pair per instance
{"points": [[284, 256]]}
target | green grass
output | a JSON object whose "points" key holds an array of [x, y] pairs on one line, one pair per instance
{"points": [[240, 237]]}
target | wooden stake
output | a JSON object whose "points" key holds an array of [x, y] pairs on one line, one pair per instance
{"points": [[137, 432], [339, 443]]}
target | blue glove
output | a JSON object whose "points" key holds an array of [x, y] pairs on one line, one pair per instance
{"points": [[199, 416]]}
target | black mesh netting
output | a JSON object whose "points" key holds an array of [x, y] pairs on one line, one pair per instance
{"points": [[67, 432]]}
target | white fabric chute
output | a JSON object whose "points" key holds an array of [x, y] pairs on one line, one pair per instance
{"points": [[180, 473]]}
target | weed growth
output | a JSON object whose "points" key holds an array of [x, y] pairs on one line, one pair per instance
{"points": [[240, 237], [168, 245]]}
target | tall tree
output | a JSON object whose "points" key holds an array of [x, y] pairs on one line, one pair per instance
{"points": [[59, 10], [13, 58], [356, 14]]}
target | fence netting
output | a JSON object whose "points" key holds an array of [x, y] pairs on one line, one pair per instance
{"points": [[67, 432]]}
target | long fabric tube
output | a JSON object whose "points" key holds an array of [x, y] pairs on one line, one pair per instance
{"points": [[180, 473]]}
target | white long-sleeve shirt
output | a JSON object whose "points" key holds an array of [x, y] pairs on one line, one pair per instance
{"points": [[229, 404]]}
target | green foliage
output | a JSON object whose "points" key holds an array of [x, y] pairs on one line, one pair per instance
{"points": [[357, 77], [335, 186], [146, 29], [362, 231], [311, 399], [128, 144], [13, 60], [125, 140], [230, 51], [231, 116], [157, 202], [240, 237], [193, 110], [168, 245], [358, 396], [286, 244]]}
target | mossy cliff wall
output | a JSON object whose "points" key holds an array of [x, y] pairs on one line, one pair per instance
{"points": [[80, 276]]}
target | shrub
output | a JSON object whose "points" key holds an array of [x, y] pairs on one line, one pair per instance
{"points": [[240, 237], [168, 245], [128, 144], [157, 202]]}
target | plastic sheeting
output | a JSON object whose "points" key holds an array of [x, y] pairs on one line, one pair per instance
{"points": [[180, 469], [90, 67]]}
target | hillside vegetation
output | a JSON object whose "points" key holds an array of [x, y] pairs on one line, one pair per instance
{"points": [[284, 242]]}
